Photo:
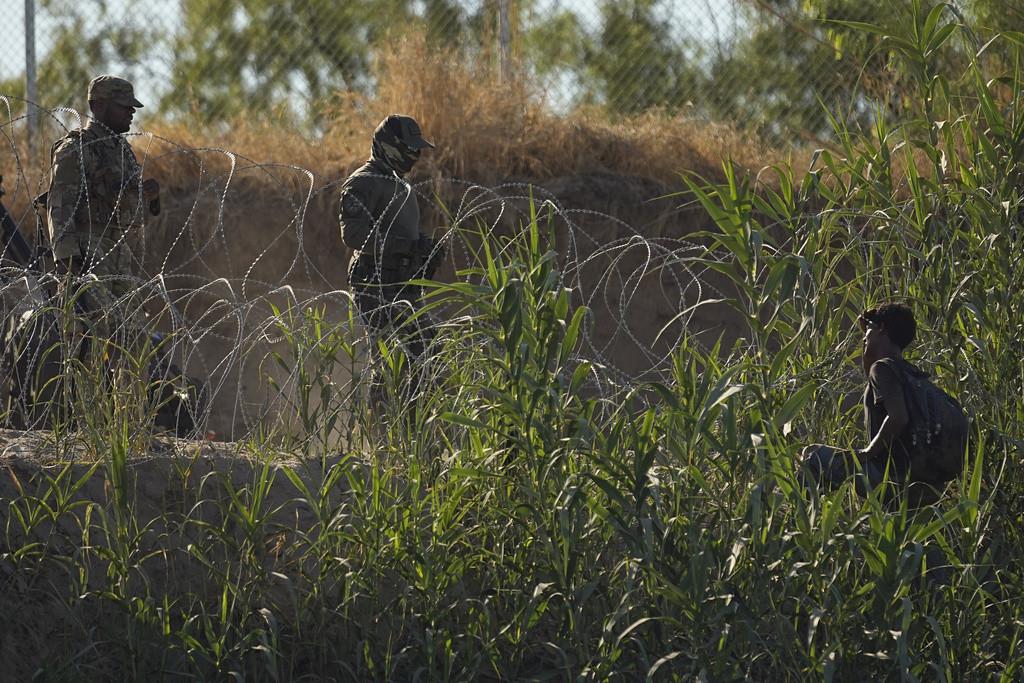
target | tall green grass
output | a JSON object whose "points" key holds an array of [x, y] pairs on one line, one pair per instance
{"points": [[536, 517]]}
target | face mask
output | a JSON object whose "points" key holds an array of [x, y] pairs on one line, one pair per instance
{"points": [[395, 155]]}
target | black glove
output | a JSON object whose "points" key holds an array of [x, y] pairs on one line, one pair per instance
{"points": [[431, 253], [425, 245]]}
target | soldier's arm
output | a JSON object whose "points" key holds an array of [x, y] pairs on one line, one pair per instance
{"points": [[135, 197], [356, 217], [64, 194]]}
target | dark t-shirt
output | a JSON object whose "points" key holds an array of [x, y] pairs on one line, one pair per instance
{"points": [[884, 383]]}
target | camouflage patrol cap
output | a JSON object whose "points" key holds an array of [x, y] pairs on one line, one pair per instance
{"points": [[113, 88], [404, 129]]}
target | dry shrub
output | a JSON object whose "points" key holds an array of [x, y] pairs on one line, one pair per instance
{"points": [[485, 130]]}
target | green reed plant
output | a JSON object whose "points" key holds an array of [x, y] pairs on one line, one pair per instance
{"points": [[536, 516], [881, 230], [316, 350]]}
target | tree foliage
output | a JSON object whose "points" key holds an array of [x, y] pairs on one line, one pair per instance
{"points": [[89, 38], [802, 54], [788, 66], [239, 55], [634, 62]]}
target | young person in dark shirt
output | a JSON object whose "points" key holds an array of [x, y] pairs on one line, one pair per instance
{"points": [[888, 330]]}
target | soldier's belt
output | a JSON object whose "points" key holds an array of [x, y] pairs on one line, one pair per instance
{"points": [[389, 267]]}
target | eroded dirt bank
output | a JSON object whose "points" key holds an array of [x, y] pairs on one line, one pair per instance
{"points": [[227, 256], [75, 530]]}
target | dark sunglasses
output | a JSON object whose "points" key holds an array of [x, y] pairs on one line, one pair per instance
{"points": [[407, 149]]}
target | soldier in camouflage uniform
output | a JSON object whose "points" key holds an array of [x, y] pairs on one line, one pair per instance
{"points": [[380, 223], [95, 197]]}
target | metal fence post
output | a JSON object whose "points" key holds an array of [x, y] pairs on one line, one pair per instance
{"points": [[504, 40], [31, 94]]}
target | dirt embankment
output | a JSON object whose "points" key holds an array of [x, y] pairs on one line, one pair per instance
{"points": [[250, 215], [61, 508], [233, 241], [227, 248]]}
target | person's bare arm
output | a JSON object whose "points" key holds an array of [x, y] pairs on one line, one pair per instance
{"points": [[897, 418], [891, 428]]}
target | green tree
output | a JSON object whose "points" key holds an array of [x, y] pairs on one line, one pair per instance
{"points": [[794, 56], [632, 60], [233, 56], [794, 63], [88, 38], [635, 62]]}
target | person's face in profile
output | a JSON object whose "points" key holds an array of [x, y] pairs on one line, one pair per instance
{"points": [[874, 333], [114, 115]]}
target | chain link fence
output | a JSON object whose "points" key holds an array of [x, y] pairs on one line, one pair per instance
{"points": [[772, 65], [238, 241]]}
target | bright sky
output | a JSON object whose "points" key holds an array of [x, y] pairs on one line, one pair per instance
{"points": [[709, 20]]}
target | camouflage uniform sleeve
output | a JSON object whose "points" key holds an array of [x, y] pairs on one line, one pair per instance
{"points": [[63, 198], [133, 205], [357, 215]]}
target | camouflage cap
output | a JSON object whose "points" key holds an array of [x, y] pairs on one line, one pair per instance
{"points": [[113, 88], [405, 129]]}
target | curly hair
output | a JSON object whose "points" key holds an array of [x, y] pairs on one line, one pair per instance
{"points": [[897, 320]]}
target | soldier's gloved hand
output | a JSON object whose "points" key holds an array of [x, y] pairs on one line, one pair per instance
{"points": [[151, 194], [432, 252], [425, 245]]}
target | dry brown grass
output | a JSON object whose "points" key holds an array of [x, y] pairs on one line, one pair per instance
{"points": [[486, 131]]}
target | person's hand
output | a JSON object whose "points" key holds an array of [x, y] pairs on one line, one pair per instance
{"points": [[150, 189], [151, 193]]}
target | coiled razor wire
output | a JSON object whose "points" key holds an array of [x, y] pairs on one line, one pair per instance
{"points": [[223, 329]]}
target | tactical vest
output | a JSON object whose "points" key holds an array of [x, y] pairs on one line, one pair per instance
{"points": [[111, 200]]}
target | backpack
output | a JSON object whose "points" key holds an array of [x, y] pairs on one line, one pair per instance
{"points": [[937, 436]]}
